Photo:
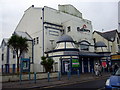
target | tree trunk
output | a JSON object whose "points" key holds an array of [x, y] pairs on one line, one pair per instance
{"points": [[17, 64]]}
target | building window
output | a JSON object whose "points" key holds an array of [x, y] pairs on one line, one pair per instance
{"points": [[111, 48], [119, 48], [37, 38], [14, 54], [78, 28], [2, 57], [84, 46], [54, 33], [117, 40], [69, 29]]}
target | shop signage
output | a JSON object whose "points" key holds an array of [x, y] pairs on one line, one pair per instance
{"points": [[115, 57], [75, 63], [83, 29]]}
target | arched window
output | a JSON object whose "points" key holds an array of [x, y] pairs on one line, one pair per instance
{"points": [[84, 46]]}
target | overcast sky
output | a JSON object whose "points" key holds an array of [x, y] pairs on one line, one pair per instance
{"points": [[102, 13]]}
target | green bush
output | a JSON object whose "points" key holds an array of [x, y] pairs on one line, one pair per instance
{"points": [[47, 63]]}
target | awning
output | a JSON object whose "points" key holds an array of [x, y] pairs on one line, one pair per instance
{"points": [[89, 54]]}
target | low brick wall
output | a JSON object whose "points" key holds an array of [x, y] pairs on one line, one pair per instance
{"points": [[9, 78]]}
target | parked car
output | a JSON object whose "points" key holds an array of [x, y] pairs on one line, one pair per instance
{"points": [[113, 82]]}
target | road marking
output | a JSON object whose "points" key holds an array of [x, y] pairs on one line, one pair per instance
{"points": [[65, 84]]}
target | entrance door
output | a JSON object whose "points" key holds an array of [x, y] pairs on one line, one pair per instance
{"points": [[85, 62], [13, 68], [65, 66], [7, 68], [91, 65]]}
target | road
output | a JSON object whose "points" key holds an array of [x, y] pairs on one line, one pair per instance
{"points": [[93, 84]]}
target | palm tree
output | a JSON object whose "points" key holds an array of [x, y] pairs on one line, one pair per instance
{"points": [[47, 63], [19, 45]]}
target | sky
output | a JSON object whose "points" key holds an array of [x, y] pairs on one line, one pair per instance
{"points": [[102, 13]]}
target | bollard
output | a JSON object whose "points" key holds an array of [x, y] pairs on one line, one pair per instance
{"points": [[20, 77], [29, 76], [59, 75], [34, 77], [68, 73], [48, 76], [78, 73]]}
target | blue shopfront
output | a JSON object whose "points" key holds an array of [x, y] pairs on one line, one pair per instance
{"points": [[87, 60], [70, 65]]}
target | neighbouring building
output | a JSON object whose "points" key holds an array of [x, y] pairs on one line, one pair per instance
{"points": [[8, 55], [111, 47]]}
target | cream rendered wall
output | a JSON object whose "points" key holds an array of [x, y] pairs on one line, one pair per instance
{"points": [[4, 51], [11, 59], [100, 38], [31, 23], [58, 17], [115, 45], [77, 35], [70, 10]]}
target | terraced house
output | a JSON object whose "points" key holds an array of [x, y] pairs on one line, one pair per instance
{"points": [[111, 49]]}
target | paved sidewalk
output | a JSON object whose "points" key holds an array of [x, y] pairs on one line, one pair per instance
{"points": [[43, 83]]}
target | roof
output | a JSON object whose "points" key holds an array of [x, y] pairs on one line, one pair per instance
{"points": [[5, 40], [23, 34], [65, 38], [109, 35]]}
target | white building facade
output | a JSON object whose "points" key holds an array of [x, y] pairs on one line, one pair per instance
{"points": [[46, 25]]}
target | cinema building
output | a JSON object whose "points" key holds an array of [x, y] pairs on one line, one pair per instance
{"points": [[62, 34]]}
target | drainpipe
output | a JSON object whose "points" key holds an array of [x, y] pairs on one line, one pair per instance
{"points": [[32, 51], [43, 28], [7, 62]]}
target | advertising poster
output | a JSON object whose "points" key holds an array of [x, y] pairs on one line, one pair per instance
{"points": [[75, 63]]}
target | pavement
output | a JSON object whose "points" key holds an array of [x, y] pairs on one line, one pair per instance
{"points": [[52, 82]]}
